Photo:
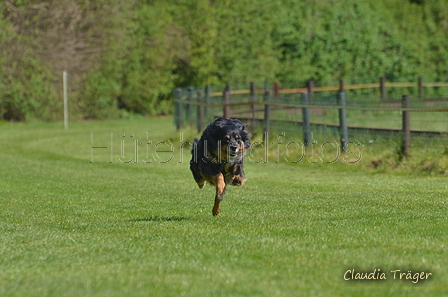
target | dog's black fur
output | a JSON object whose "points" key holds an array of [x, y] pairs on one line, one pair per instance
{"points": [[218, 156]]}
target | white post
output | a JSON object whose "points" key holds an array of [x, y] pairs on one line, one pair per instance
{"points": [[65, 100]]}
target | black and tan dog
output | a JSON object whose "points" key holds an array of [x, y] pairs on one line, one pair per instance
{"points": [[218, 156]]}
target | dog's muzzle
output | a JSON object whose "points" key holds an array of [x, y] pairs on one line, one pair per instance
{"points": [[234, 150]]}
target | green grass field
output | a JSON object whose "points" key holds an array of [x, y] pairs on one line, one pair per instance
{"points": [[74, 224]]}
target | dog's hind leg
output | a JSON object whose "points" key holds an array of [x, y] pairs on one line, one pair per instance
{"points": [[220, 192]]}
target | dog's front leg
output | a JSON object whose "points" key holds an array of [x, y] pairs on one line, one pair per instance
{"points": [[220, 192]]}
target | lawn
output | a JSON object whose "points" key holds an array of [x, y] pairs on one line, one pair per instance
{"points": [[77, 221]]}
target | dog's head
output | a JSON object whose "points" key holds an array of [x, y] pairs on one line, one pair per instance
{"points": [[232, 138]]}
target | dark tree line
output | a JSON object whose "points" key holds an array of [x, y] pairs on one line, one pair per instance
{"points": [[125, 57]]}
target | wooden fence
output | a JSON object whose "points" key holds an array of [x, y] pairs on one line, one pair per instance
{"points": [[194, 106], [382, 85]]}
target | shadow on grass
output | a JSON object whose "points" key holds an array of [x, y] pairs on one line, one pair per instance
{"points": [[160, 219]]}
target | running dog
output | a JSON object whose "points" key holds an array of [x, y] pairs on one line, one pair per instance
{"points": [[218, 156]]}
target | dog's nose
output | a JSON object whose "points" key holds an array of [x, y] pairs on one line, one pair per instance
{"points": [[233, 147]]}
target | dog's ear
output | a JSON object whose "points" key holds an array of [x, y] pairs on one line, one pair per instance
{"points": [[219, 123]]}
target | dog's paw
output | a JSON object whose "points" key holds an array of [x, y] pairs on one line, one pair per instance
{"points": [[238, 180], [217, 208]]}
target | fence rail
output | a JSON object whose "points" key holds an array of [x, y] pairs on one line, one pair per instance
{"points": [[329, 109], [381, 85]]}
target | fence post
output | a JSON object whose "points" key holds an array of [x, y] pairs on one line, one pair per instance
{"points": [[276, 89], [383, 88], [267, 108], [306, 120], [341, 85], [310, 87], [200, 121], [64, 78], [253, 99], [226, 102], [178, 108], [189, 115], [406, 125], [420, 87], [207, 101], [343, 121]]}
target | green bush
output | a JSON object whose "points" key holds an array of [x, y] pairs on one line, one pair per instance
{"points": [[25, 81]]}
